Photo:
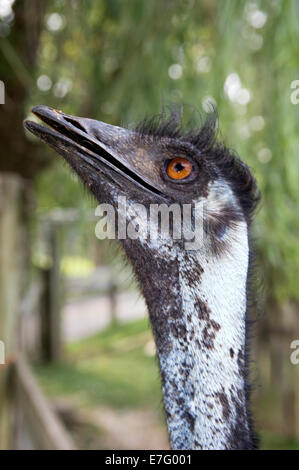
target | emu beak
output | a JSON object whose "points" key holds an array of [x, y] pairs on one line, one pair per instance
{"points": [[92, 147]]}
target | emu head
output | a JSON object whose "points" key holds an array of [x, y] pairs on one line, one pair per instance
{"points": [[156, 163]]}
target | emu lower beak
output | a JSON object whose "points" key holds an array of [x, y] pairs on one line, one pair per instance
{"points": [[99, 147]]}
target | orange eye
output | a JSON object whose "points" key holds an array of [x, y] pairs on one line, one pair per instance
{"points": [[179, 168]]}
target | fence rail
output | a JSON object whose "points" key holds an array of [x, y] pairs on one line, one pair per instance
{"points": [[37, 424]]}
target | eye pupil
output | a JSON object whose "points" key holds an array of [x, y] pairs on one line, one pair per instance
{"points": [[179, 168]]}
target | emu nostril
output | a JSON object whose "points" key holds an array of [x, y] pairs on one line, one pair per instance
{"points": [[75, 123]]}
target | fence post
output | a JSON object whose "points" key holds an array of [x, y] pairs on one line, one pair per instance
{"points": [[51, 343], [113, 301], [12, 243]]}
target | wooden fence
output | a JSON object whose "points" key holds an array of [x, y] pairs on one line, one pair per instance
{"points": [[37, 426], [26, 418], [30, 323]]}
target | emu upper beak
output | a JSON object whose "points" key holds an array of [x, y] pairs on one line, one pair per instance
{"points": [[96, 146]]}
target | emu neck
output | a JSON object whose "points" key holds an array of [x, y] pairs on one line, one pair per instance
{"points": [[197, 309]]}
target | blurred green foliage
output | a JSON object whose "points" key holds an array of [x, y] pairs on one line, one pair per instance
{"points": [[118, 60]]}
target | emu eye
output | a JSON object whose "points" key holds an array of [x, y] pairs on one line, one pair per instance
{"points": [[178, 168]]}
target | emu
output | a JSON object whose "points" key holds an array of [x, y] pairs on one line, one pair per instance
{"points": [[197, 299]]}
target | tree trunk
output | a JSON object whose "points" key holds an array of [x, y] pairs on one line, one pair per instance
{"points": [[19, 52]]}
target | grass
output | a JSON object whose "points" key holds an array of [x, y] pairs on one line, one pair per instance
{"points": [[270, 441], [113, 369], [74, 266]]}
